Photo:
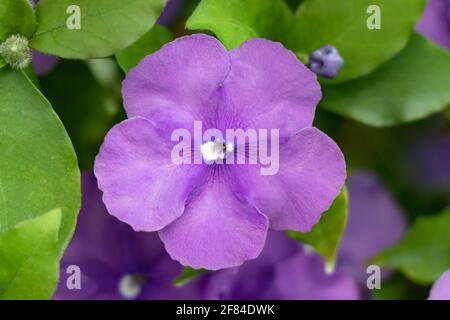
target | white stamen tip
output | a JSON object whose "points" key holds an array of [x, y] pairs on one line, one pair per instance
{"points": [[329, 268], [216, 150], [130, 285]]}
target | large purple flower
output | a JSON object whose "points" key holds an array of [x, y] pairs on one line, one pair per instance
{"points": [[441, 288], [435, 23], [115, 261], [217, 215]]}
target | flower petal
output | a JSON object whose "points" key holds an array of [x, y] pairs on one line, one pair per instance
{"points": [[268, 87], [105, 249], [302, 277], [216, 230], [43, 63], [441, 288], [311, 175], [375, 222], [435, 22], [173, 87], [141, 185]]}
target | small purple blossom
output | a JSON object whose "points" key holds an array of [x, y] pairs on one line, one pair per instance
{"points": [[435, 23], [326, 61], [115, 261], [215, 216], [441, 288]]}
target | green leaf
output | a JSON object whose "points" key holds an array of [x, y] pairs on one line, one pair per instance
{"points": [[412, 86], [31, 75], [38, 166], [17, 17], [424, 253], [316, 23], [106, 26], [235, 21], [29, 258], [187, 275], [400, 288], [87, 109], [325, 236], [2, 63], [343, 24], [152, 41]]}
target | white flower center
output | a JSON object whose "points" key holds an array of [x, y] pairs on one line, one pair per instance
{"points": [[130, 285], [216, 150]]}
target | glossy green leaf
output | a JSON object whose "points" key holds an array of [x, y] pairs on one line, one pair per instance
{"points": [[235, 21], [424, 253], [315, 24], [106, 26], [29, 256], [152, 41], [343, 24], [400, 288], [31, 75], [412, 86], [2, 63], [187, 275], [38, 166], [16, 17], [325, 236]]}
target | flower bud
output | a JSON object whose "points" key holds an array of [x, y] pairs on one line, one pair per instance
{"points": [[326, 62], [15, 52]]}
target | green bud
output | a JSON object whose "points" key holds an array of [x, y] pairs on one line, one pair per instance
{"points": [[15, 52]]}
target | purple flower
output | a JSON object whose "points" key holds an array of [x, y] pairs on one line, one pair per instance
{"points": [[287, 270], [375, 222], [435, 23], [431, 158], [43, 63], [441, 288], [284, 270], [115, 261], [210, 215], [170, 12]]}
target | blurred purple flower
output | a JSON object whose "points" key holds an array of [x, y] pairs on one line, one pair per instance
{"points": [[285, 270], [217, 216], [43, 63], [431, 157], [375, 222], [435, 23], [441, 288], [115, 261], [170, 12]]}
